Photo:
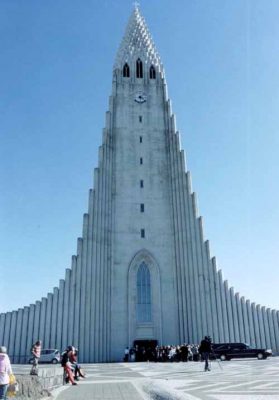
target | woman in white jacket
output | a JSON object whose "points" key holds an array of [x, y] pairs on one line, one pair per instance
{"points": [[5, 372]]}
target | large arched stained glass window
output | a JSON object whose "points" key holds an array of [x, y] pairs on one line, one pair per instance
{"points": [[143, 294]]}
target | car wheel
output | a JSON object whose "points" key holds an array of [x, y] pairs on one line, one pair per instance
{"points": [[260, 356], [223, 357], [54, 361]]}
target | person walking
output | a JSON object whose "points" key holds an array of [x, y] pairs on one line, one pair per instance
{"points": [[5, 372], [36, 352], [205, 350]]}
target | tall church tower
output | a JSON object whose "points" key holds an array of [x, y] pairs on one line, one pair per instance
{"points": [[143, 270]]}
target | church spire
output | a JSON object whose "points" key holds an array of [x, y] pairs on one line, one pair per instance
{"points": [[137, 43]]}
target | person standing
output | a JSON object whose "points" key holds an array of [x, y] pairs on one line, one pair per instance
{"points": [[5, 372], [205, 350], [36, 352], [126, 354]]}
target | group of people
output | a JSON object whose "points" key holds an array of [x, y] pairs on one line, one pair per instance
{"points": [[70, 364], [72, 370], [184, 352]]}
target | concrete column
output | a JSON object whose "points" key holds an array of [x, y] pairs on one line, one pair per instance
{"points": [[215, 335], [229, 311], [96, 252], [201, 274], [88, 280], [11, 348], [60, 315], [110, 245], [23, 341], [46, 339], [256, 325], [30, 330], [182, 265], [235, 316], [178, 261], [93, 343], [42, 326], [276, 329], [267, 327], [218, 302], [77, 292], [72, 300], [251, 324], [245, 321], [7, 329], [261, 326], [194, 215], [240, 318], [106, 254], [18, 334], [36, 322], [2, 326], [224, 307], [65, 319], [82, 350], [102, 264], [54, 320], [207, 295], [191, 300]]}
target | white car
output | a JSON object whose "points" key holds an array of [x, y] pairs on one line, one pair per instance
{"points": [[48, 356]]}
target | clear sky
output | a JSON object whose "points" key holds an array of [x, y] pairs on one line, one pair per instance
{"points": [[222, 65]]}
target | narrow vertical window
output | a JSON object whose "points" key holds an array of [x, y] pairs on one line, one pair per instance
{"points": [[140, 118], [143, 294], [152, 72], [126, 71], [141, 183], [142, 207], [142, 233], [139, 68], [141, 160], [140, 139]]}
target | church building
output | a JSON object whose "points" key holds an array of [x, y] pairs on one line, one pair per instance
{"points": [[143, 270]]}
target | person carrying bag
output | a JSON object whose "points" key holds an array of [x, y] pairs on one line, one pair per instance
{"points": [[8, 384]]}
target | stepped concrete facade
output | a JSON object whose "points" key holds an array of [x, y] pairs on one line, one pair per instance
{"points": [[143, 270]]}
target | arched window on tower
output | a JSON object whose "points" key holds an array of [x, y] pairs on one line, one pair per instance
{"points": [[139, 68], [152, 72], [126, 71], [143, 294]]}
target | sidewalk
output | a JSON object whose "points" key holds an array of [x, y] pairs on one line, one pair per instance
{"points": [[100, 391]]}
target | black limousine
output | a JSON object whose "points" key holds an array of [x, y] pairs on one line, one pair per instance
{"points": [[227, 351]]}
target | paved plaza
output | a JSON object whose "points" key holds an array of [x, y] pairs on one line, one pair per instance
{"points": [[234, 380]]}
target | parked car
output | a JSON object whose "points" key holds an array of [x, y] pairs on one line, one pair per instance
{"points": [[227, 351], [48, 356]]}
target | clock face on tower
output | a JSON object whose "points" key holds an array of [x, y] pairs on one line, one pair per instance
{"points": [[140, 97]]}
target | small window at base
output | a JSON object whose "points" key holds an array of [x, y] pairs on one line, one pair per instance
{"points": [[141, 183], [140, 118], [142, 207], [140, 139], [142, 233], [141, 160]]}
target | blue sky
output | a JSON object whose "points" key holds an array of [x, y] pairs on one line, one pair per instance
{"points": [[222, 66]]}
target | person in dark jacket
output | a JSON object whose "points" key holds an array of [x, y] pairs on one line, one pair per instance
{"points": [[205, 350]]}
